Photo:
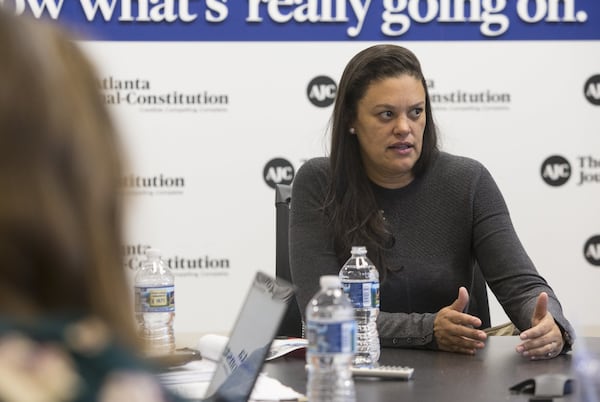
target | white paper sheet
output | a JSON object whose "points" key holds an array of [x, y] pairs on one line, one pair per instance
{"points": [[191, 380]]}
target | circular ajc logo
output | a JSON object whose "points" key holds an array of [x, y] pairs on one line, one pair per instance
{"points": [[556, 170], [278, 171], [591, 90], [321, 91], [591, 250]]}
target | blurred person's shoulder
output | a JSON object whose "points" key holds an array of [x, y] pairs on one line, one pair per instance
{"points": [[71, 359]]}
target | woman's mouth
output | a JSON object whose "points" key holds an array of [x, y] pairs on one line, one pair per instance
{"points": [[401, 147]]}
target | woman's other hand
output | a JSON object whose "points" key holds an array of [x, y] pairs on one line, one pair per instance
{"points": [[543, 340]]}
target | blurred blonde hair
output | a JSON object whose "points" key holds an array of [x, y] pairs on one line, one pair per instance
{"points": [[60, 167]]}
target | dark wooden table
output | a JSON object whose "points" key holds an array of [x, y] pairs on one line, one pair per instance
{"points": [[442, 376]]}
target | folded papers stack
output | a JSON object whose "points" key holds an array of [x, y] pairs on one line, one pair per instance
{"points": [[191, 379]]}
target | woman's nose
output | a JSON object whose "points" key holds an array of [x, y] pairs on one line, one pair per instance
{"points": [[402, 126]]}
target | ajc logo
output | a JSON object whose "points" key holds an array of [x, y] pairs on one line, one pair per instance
{"points": [[556, 170], [591, 250], [321, 91], [591, 90], [278, 171]]}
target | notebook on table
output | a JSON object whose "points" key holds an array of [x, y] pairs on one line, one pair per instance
{"points": [[250, 339]]}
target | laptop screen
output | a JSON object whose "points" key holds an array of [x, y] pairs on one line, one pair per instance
{"points": [[250, 339]]}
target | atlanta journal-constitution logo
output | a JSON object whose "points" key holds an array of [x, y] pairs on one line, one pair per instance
{"points": [[591, 250], [321, 91], [556, 170], [159, 184], [134, 256], [460, 99], [139, 92], [278, 171], [591, 90]]}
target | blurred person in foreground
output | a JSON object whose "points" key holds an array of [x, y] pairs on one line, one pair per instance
{"points": [[427, 218], [66, 326]]}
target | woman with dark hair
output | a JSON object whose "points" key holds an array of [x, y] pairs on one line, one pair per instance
{"points": [[427, 218], [66, 321]]}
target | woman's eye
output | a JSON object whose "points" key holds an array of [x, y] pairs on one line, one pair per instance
{"points": [[417, 112], [387, 114]]}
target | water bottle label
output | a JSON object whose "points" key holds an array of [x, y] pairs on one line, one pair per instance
{"points": [[154, 299], [331, 337], [362, 294]]}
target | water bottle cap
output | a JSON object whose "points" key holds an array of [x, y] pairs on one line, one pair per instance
{"points": [[359, 250], [330, 281], [153, 253]]}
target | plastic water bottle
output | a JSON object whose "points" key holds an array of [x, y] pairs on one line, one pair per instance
{"points": [[587, 373], [360, 281], [331, 333], [155, 304]]}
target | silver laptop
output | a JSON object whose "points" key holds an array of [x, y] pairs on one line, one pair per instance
{"points": [[243, 357]]}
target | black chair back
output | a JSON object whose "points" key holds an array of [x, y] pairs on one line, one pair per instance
{"points": [[291, 325]]}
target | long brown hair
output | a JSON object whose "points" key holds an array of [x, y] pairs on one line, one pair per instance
{"points": [[350, 203], [60, 166]]}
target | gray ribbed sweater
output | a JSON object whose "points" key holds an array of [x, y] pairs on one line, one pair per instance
{"points": [[442, 223]]}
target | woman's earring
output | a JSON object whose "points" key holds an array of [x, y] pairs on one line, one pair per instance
{"points": [[352, 131]]}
